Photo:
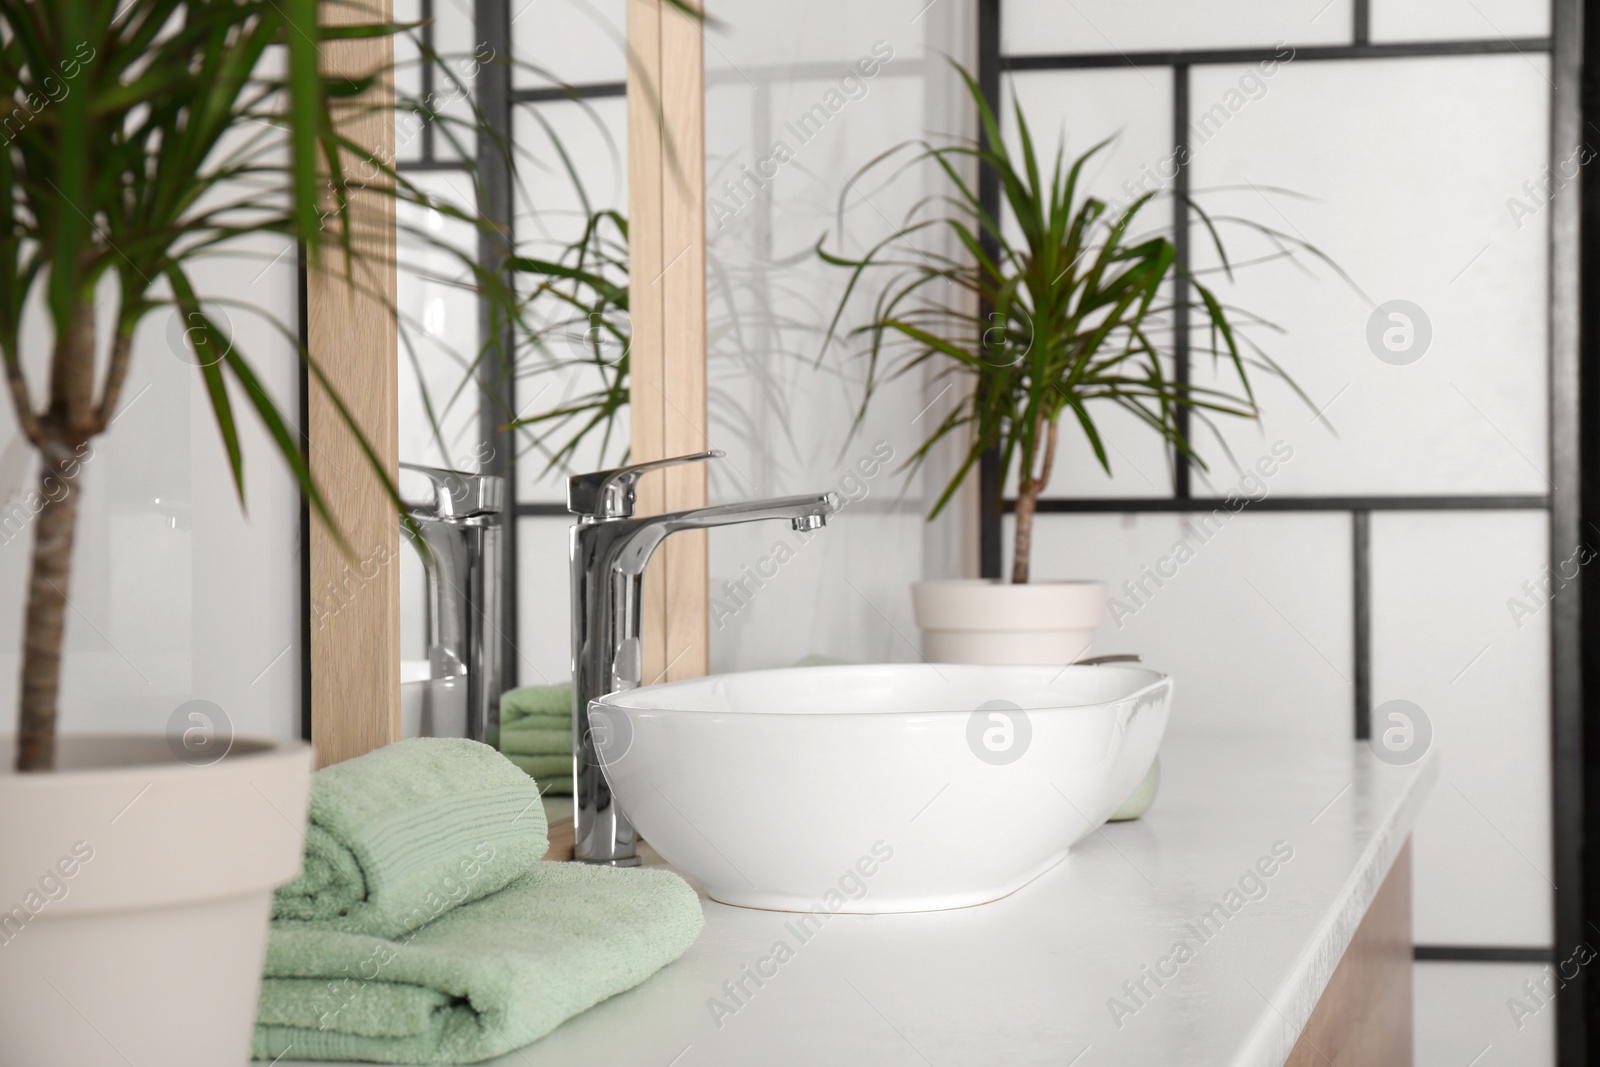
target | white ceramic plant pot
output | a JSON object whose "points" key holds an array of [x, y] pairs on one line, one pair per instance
{"points": [[976, 620], [980, 621], [135, 890]]}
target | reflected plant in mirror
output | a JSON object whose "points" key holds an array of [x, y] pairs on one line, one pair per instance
{"points": [[1063, 309], [579, 327]]}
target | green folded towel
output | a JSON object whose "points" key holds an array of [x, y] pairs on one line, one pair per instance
{"points": [[408, 830], [482, 980], [522, 741], [552, 721], [518, 704]]}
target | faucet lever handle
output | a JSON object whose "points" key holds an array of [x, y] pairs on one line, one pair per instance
{"points": [[610, 494], [461, 494]]}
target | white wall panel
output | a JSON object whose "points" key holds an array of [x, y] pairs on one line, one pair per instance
{"points": [[1436, 20], [754, 41], [1033, 27], [177, 593], [1254, 626], [1413, 207], [1465, 1010], [1455, 631], [568, 41]]}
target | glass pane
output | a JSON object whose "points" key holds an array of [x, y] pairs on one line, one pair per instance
{"points": [[1407, 174], [1039, 27], [1460, 1010], [1251, 613], [1433, 20], [1078, 109], [1456, 631]]}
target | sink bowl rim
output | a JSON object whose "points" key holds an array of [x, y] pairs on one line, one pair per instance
{"points": [[628, 699]]}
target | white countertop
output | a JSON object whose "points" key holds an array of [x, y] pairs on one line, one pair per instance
{"points": [[1029, 979]]}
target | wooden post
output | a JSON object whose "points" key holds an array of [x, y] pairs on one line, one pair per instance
{"points": [[355, 599], [667, 303]]}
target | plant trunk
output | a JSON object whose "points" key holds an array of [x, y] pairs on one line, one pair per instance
{"points": [[47, 602], [1027, 502]]}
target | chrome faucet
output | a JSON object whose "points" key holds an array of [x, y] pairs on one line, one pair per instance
{"points": [[609, 551], [460, 528]]}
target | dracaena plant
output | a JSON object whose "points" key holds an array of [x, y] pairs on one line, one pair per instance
{"points": [[137, 139], [1065, 311]]}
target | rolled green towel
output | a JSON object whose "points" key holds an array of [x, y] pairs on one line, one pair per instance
{"points": [[555, 785], [409, 830], [518, 704], [544, 722], [484, 979], [542, 767], [521, 741]]}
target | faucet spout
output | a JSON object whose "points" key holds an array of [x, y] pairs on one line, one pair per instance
{"points": [[609, 553]]}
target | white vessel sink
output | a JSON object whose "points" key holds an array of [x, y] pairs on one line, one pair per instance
{"points": [[884, 788]]}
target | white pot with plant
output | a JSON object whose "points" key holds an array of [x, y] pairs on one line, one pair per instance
{"points": [[1062, 310], [139, 869]]}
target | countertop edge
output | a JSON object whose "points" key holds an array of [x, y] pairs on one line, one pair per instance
{"points": [[1293, 1001]]}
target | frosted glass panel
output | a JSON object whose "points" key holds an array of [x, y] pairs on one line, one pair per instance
{"points": [[571, 41], [177, 594], [1252, 617], [1461, 1011], [1033, 27], [1434, 20], [1070, 107], [1415, 208], [1455, 631], [544, 608]]}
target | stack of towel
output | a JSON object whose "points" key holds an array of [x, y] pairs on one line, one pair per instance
{"points": [[536, 733], [424, 929]]}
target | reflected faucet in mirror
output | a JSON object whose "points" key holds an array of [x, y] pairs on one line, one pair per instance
{"points": [[460, 527], [609, 551]]}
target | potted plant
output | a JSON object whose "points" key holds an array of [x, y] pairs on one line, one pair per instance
{"points": [[136, 139], [1064, 309]]}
